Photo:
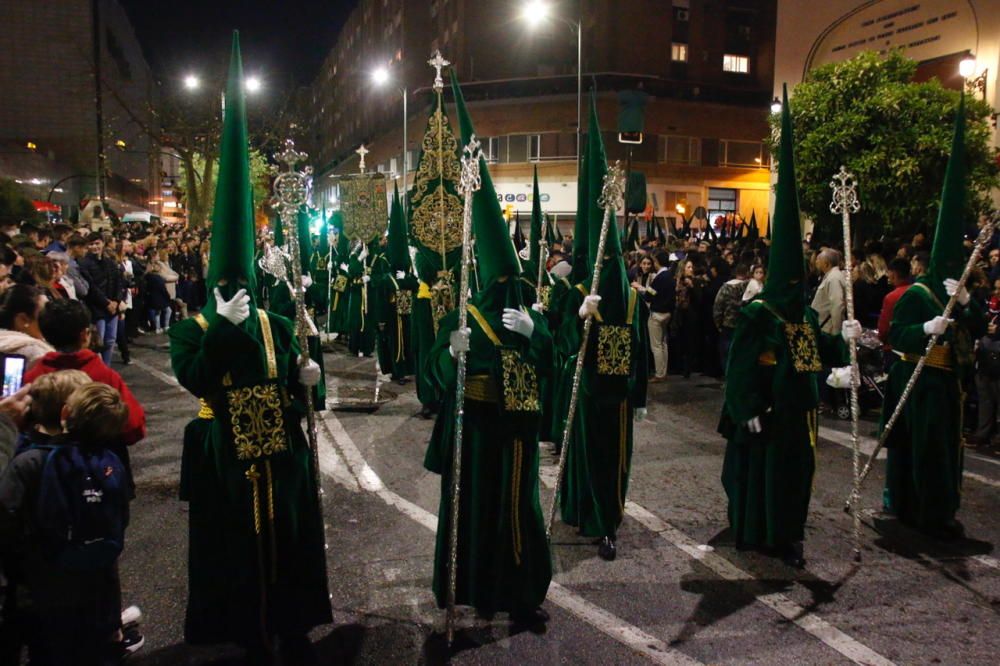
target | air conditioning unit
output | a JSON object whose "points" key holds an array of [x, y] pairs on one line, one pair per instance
{"points": [[683, 14]]}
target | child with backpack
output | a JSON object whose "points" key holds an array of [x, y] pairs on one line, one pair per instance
{"points": [[63, 514]]}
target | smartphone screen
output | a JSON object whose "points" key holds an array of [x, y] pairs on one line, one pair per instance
{"points": [[13, 374]]}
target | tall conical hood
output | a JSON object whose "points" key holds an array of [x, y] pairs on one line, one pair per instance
{"points": [[323, 246], [754, 230], [305, 239], [279, 231], [948, 253], [537, 222], [596, 170], [399, 250], [343, 242], [495, 253], [785, 285], [232, 251]]}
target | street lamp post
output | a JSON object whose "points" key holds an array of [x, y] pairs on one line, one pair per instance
{"points": [[381, 77], [536, 12]]}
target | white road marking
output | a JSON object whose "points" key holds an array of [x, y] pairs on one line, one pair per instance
{"points": [[159, 374], [868, 445], [778, 602], [632, 637]]}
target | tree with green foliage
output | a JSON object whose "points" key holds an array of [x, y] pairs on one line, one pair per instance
{"points": [[15, 206], [869, 115]]}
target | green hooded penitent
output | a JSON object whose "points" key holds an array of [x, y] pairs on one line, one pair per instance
{"points": [[398, 252], [503, 561], [246, 584], [394, 297], [774, 361], [537, 222], [924, 470], [613, 383]]}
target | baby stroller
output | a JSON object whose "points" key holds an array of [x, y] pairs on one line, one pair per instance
{"points": [[871, 393]]}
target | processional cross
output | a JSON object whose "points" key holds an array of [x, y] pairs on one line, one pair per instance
{"points": [[362, 151], [438, 62]]}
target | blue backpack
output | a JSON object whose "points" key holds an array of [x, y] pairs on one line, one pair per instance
{"points": [[82, 507]]}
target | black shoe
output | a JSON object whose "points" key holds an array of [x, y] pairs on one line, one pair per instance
{"points": [[427, 412], [607, 549], [793, 555], [131, 642], [297, 650], [533, 620], [950, 531], [401, 381]]}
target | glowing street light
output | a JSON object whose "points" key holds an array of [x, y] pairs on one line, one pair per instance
{"points": [[967, 67], [380, 76], [253, 84], [535, 12], [775, 105], [191, 82]]}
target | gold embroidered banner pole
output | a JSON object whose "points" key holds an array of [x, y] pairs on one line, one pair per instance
{"points": [[543, 258], [984, 236], [845, 202], [470, 183], [291, 192], [612, 198]]}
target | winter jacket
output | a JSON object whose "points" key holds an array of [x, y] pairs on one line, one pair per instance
{"points": [[15, 342], [157, 297], [91, 364], [106, 282], [727, 304]]}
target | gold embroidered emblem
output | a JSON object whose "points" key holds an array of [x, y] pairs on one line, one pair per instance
{"points": [[436, 213], [545, 296], [364, 205], [614, 350], [520, 383], [803, 347], [257, 422], [442, 298], [340, 284], [404, 302]]}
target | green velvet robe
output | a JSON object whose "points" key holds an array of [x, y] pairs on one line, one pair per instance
{"points": [[361, 322], [558, 390], [924, 469], [504, 562], [599, 460], [234, 587], [768, 476], [395, 353], [280, 302]]}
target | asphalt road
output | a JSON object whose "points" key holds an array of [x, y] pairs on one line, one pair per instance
{"points": [[679, 593]]}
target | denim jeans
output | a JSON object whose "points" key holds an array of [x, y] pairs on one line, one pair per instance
{"points": [[107, 331], [159, 319]]}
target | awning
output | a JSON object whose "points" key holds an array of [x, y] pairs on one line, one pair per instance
{"points": [[46, 207]]}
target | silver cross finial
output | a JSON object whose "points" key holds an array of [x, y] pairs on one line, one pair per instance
{"points": [[438, 62], [845, 193], [362, 151]]}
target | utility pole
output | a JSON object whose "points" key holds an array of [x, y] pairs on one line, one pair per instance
{"points": [[95, 10]]}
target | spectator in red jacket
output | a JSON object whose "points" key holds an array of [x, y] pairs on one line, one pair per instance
{"points": [[65, 324], [899, 278]]}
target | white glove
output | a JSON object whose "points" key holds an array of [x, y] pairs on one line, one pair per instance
{"points": [[640, 414], [851, 329], [589, 306], [309, 373], [518, 322], [306, 281], [366, 279], [400, 275], [363, 254], [951, 288], [936, 326], [753, 425], [538, 307], [840, 378], [459, 341], [236, 310], [343, 267]]}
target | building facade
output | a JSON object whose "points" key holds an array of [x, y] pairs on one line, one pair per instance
{"points": [[938, 34], [50, 137], [706, 66]]}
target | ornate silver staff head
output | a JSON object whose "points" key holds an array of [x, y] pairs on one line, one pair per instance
{"points": [[438, 62], [613, 190], [472, 179], [845, 193]]}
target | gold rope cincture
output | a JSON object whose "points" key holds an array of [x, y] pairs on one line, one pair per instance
{"points": [[254, 476], [399, 321]]}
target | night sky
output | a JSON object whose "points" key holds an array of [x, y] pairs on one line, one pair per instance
{"points": [[283, 41]]}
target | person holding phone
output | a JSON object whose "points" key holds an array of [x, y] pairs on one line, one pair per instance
{"points": [[19, 333]]}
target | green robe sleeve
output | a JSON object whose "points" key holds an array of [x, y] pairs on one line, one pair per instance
{"points": [[746, 397]]}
